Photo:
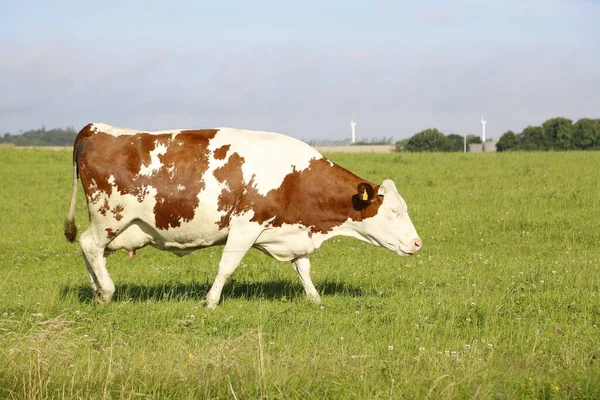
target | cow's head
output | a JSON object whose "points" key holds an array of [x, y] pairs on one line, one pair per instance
{"points": [[391, 226]]}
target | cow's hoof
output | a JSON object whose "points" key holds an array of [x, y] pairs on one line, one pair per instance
{"points": [[314, 298], [102, 299], [210, 304]]}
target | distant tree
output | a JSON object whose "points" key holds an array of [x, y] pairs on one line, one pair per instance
{"points": [[557, 134], [457, 142], [401, 145], [473, 139], [373, 142], [429, 140], [586, 134], [508, 141], [532, 138], [554, 134], [43, 137]]}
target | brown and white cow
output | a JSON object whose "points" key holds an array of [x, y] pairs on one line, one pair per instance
{"points": [[182, 190]]}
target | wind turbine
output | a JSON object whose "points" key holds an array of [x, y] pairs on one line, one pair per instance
{"points": [[353, 126], [483, 122]]}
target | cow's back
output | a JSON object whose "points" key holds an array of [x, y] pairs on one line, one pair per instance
{"points": [[266, 157]]}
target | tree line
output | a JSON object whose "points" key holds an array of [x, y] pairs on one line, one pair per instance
{"points": [[42, 137], [434, 140], [554, 134]]}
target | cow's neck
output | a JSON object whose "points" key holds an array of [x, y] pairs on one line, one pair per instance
{"points": [[344, 212], [349, 229]]}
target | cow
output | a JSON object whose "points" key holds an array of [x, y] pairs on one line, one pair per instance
{"points": [[183, 190]]}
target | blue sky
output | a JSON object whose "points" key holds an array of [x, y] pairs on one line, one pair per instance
{"points": [[300, 68]]}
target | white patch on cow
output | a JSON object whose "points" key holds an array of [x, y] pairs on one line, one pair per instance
{"points": [[132, 210], [286, 242], [155, 163], [210, 195], [268, 157], [131, 238], [117, 131], [181, 187], [348, 228]]}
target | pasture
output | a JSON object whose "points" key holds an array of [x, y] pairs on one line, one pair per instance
{"points": [[502, 302]]}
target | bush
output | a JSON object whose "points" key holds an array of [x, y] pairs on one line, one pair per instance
{"points": [[429, 140], [508, 141]]}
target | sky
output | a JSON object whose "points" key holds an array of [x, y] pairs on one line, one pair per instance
{"points": [[302, 68]]}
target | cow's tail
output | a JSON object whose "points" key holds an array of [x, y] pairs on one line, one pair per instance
{"points": [[70, 227]]}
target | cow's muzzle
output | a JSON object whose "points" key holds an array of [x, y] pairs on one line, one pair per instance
{"points": [[416, 246]]}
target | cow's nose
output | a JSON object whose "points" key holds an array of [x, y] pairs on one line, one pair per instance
{"points": [[417, 244]]}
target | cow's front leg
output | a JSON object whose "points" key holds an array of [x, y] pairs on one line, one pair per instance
{"points": [[302, 267], [239, 241]]}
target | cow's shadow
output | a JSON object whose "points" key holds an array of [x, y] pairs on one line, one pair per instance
{"points": [[197, 291]]}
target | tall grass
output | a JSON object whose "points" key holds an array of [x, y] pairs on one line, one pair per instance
{"points": [[502, 301]]}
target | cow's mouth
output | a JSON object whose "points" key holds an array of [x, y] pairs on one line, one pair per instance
{"points": [[403, 253]]}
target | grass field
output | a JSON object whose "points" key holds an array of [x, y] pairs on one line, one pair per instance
{"points": [[502, 302]]}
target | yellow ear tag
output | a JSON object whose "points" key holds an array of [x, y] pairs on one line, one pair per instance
{"points": [[365, 196]]}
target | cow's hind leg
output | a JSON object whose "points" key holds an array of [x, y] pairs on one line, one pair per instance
{"points": [[95, 261], [302, 267], [239, 241]]}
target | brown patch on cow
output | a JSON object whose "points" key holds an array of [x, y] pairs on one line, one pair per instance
{"points": [[110, 234], [187, 157], [87, 131], [117, 212], [230, 199], [104, 208], [319, 197], [101, 156], [221, 152]]}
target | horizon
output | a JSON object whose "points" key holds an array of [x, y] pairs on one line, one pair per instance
{"points": [[349, 138]]}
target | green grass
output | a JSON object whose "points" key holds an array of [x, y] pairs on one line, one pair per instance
{"points": [[502, 302]]}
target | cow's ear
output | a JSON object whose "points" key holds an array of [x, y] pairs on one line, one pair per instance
{"points": [[365, 192], [381, 191]]}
